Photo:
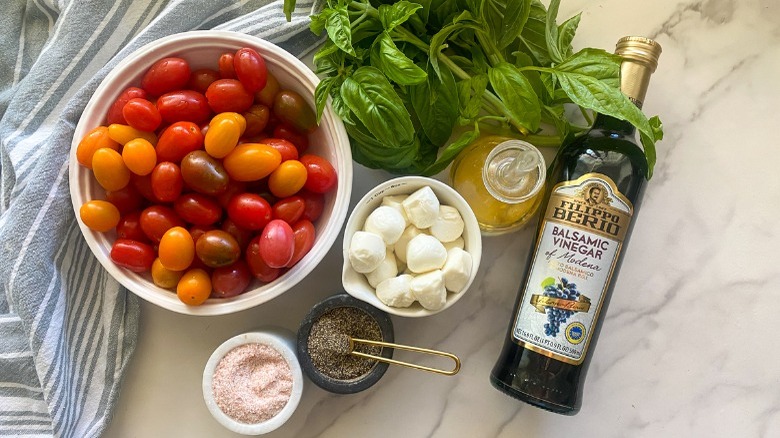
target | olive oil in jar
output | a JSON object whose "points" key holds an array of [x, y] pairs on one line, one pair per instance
{"points": [[502, 179]]}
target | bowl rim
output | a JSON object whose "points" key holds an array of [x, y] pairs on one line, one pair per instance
{"points": [[281, 340], [279, 59], [359, 289]]}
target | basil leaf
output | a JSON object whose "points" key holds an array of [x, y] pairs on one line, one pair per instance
{"points": [[369, 151], [533, 34], [435, 102], [373, 100], [367, 28], [394, 63], [317, 24], [551, 31], [515, 18], [596, 63], [556, 116], [396, 14], [518, 95], [470, 93], [438, 42], [338, 27], [443, 10], [648, 142], [451, 151], [288, 8], [329, 59], [566, 35], [340, 107], [321, 94]]}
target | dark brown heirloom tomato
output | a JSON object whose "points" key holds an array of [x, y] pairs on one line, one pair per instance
{"points": [[229, 281], [133, 255], [178, 140], [158, 219], [184, 106], [166, 75], [204, 174], [217, 248], [167, 182], [198, 209], [256, 119], [291, 108], [201, 79], [227, 95]]}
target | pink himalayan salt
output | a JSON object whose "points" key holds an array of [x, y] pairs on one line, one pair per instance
{"points": [[252, 383]]}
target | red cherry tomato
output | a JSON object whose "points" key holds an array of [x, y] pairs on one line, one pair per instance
{"points": [[249, 211], [197, 209], [242, 235], [129, 227], [143, 183], [321, 176], [277, 243], [228, 95], [289, 209], [288, 133], [201, 79], [250, 69], [226, 68], [315, 203], [287, 149], [133, 255], [178, 140], [184, 106], [142, 114], [115, 112], [126, 199], [166, 75], [229, 281], [167, 182], [304, 234], [257, 265], [158, 219], [233, 188]]}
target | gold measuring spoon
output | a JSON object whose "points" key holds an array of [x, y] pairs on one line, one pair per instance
{"points": [[353, 341]]}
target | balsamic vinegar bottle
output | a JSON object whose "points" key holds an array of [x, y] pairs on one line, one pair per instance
{"points": [[594, 186]]}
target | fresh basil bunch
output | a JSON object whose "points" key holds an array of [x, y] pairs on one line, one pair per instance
{"points": [[402, 75]]}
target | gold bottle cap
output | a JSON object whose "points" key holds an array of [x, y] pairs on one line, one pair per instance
{"points": [[639, 49]]}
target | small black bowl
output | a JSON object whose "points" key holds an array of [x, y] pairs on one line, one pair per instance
{"points": [[329, 383]]}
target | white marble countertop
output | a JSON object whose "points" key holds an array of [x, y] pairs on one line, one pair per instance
{"points": [[671, 359]]}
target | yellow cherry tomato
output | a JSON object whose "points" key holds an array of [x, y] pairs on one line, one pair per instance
{"points": [[287, 179], [239, 118], [110, 170], [251, 161], [99, 215], [124, 133], [224, 131], [194, 287], [164, 277], [139, 156], [177, 249], [95, 139]]}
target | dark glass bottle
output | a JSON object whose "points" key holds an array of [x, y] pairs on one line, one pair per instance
{"points": [[594, 187]]}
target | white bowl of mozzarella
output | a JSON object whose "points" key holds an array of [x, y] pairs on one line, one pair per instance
{"points": [[412, 247]]}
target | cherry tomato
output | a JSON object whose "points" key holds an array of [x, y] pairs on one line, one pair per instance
{"points": [[285, 148], [196, 231], [251, 161], [129, 227], [321, 176], [288, 133], [184, 106], [158, 219], [109, 169], [315, 203], [304, 235], [142, 114], [197, 209], [287, 179], [122, 134], [228, 95], [289, 209], [229, 281], [143, 185], [126, 199], [226, 66], [250, 69], [201, 79], [204, 174], [256, 119], [99, 215], [257, 265], [224, 131], [95, 139], [266, 94], [115, 111], [234, 187], [217, 248], [177, 250], [178, 140], [194, 287], [164, 277], [167, 181], [292, 109], [139, 156], [166, 75], [277, 243], [249, 211], [133, 255]]}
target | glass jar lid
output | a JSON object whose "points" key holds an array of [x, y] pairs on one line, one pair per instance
{"points": [[514, 171]]}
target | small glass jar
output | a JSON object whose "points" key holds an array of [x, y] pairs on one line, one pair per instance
{"points": [[502, 179]]}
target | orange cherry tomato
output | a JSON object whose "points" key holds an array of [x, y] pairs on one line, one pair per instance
{"points": [[224, 131], [194, 287], [251, 161], [164, 277], [110, 169], [287, 179], [99, 215], [139, 156], [95, 139], [124, 133], [177, 249]]}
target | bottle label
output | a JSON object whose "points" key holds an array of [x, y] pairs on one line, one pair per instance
{"points": [[582, 233]]}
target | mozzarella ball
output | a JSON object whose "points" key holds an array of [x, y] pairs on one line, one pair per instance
{"points": [[425, 253], [422, 207], [386, 222], [429, 290], [386, 269], [457, 243], [396, 291], [457, 270], [448, 225], [396, 201], [400, 245], [366, 251]]}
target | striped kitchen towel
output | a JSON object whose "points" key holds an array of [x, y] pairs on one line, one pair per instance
{"points": [[67, 329]]}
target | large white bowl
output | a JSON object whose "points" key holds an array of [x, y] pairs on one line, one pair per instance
{"points": [[357, 285], [202, 50]]}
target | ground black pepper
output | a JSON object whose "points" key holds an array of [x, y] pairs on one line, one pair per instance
{"points": [[328, 342]]}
